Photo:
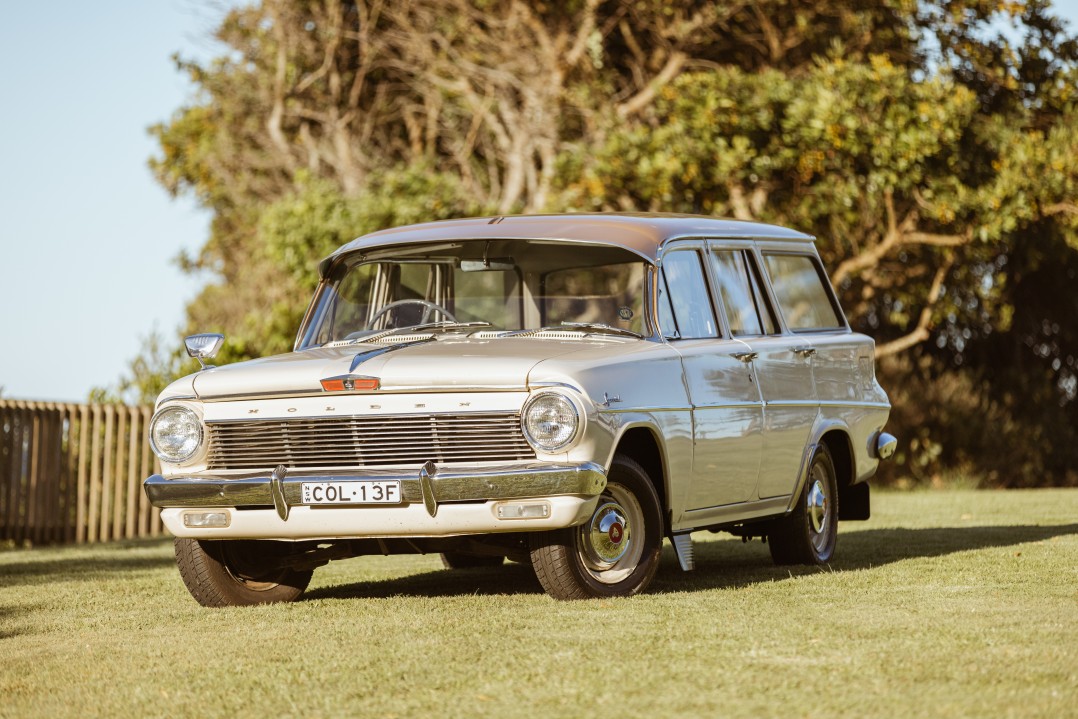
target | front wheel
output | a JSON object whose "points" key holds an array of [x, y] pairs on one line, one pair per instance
{"points": [[224, 573], [616, 552], [808, 534]]}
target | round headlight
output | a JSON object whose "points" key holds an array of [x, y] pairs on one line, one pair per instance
{"points": [[175, 434], [550, 421]]}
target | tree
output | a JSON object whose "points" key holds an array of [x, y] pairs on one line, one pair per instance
{"points": [[933, 156]]}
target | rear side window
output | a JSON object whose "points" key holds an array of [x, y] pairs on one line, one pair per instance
{"points": [[799, 288], [689, 296], [739, 287]]}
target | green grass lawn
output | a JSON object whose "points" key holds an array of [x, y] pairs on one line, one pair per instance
{"points": [[946, 604]]}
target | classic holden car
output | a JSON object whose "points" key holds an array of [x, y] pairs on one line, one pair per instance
{"points": [[565, 391]]}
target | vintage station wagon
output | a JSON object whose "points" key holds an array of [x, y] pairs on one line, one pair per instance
{"points": [[564, 391]]}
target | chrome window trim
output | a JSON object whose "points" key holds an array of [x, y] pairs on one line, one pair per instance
{"points": [[699, 247]]}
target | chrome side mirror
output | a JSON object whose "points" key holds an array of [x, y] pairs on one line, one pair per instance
{"points": [[204, 347]]}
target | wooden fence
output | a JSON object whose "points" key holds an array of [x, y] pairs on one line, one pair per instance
{"points": [[74, 472]]}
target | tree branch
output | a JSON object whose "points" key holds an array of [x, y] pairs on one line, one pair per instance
{"points": [[273, 122], [581, 42], [642, 99], [927, 238], [1068, 208], [871, 257], [921, 332]]}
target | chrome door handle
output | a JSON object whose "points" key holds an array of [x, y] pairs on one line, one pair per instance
{"points": [[744, 356], [804, 351]]}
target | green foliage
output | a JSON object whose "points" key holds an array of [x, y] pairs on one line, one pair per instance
{"points": [[308, 224], [935, 158]]}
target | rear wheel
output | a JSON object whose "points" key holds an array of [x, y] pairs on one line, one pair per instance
{"points": [[462, 560], [223, 573], [808, 534], [616, 552]]}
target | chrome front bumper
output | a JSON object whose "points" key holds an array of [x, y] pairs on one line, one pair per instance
{"points": [[429, 486], [435, 502]]}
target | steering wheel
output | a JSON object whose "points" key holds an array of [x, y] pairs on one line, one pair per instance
{"points": [[429, 308]]}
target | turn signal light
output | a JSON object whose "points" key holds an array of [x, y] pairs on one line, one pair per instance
{"points": [[522, 510], [349, 384], [207, 520]]}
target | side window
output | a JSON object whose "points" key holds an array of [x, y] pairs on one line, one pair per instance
{"points": [[739, 287], [688, 294], [803, 299]]}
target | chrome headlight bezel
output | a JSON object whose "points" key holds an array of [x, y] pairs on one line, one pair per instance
{"points": [[579, 418], [194, 419]]}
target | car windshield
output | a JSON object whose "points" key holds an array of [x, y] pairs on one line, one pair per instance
{"points": [[509, 285]]}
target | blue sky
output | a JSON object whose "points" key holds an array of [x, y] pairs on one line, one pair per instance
{"points": [[87, 238], [86, 235]]}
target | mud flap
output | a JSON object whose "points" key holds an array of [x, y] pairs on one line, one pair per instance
{"points": [[853, 502]]}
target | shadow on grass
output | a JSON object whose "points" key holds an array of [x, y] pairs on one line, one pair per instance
{"points": [[728, 565], [7, 616], [510, 578], [719, 565], [96, 562]]}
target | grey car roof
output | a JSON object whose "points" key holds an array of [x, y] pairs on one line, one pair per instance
{"points": [[642, 233]]}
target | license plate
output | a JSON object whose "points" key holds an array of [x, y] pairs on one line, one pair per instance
{"points": [[367, 492]]}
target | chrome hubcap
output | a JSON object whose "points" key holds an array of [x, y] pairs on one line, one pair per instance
{"points": [[608, 535], [817, 507], [605, 542]]}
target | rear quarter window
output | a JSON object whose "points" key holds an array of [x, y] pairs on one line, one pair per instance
{"points": [[803, 298]]}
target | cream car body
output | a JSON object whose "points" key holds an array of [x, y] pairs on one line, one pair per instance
{"points": [[725, 427]]}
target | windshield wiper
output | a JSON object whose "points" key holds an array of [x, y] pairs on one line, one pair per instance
{"points": [[427, 326], [603, 327]]}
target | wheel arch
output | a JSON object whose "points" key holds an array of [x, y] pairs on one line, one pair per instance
{"points": [[640, 442], [853, 497], [837, 440]]}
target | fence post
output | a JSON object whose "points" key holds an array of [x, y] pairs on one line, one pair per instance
{"points": [[95, 476], [133, 414], [145, 466], [119, 500], [6, 431], [82, 496]]}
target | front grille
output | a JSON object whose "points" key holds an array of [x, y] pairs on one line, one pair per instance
{"points": [[367, 441]]}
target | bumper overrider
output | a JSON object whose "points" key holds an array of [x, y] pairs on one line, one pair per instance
{"points": [[434, 502]]}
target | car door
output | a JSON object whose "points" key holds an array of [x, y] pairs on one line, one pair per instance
{"points": [[726, 406], [781, 362]]}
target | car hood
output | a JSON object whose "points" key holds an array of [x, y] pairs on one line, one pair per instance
{"points": [[497, 363]]}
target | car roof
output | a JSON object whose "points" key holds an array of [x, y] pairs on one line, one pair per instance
{"points": [[642, 233]]}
